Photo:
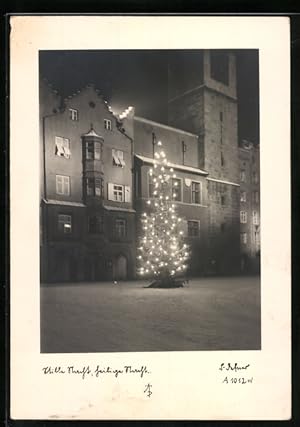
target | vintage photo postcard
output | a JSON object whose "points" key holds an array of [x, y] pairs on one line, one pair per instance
{"points": [[150, 218]]}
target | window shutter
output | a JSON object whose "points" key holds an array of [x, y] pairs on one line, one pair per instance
{"points": [[59, 149], [127, 194], [110, 191], [66, 148], [115, 157]]}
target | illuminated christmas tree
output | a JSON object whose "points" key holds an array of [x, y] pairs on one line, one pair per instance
{"points": [[162, 253]]}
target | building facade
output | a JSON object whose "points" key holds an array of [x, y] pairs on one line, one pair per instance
{"points": [[207, 106], [87, 215], [95, 175], [249, 206]]}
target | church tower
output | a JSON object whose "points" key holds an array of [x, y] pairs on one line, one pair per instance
{"points": [[202, 99]]}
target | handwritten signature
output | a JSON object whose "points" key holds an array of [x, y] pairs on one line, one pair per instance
{"points": [[233, 367]]}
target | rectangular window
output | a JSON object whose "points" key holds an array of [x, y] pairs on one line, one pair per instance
{"points": [[95, 224], [222, 159], [255, 217], [63, 185], [243, 238], [73, 114], [176, 189], [196, 192], [243, 175], [243, 196], [64, 224], [118, 193], [255, 197], [120, 227], [94, 187], [193, 228], [107, 124], [255, 177], [256, 237], [93, 150], [223, 200], [243, 217], [62, 147], [151, 186], [118, 158]]}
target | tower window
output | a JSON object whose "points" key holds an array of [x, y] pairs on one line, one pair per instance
{"points": [[219, 66], [255, 177], [243, 175], [243, 196], [243, 217], [255, 197], [244, 238], [222, 159], [255, 217]]}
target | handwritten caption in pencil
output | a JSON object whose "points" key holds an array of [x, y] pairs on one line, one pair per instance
{"points": [[89, 371]]}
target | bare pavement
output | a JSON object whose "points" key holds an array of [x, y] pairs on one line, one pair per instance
{"points": [[207, 314]]}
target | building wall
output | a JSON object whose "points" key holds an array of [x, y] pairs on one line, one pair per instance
{"points": [[84, 255], [210, 111], [171, 138], [220, 136], [223, 226], [50, 102], [250, 188]]}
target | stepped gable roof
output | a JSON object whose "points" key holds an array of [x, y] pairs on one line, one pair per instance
{"points": [[99, 94]]}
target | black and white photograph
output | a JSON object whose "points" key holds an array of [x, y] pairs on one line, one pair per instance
{"points": [[150, 218], [149, 200]]}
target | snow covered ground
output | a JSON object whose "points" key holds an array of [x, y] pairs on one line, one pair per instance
{"points": [[207, 314]]}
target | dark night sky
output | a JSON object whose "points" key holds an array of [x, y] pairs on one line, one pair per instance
{"points": [[139, 78]]}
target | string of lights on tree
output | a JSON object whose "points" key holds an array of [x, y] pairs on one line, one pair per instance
{"points": [[162, 254]]}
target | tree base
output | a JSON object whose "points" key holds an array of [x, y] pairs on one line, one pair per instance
{"points": [[167, 283]]}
